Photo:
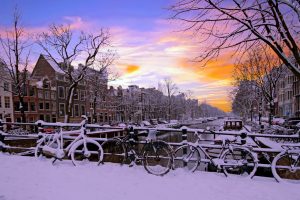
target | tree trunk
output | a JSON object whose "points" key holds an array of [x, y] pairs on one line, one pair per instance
{"points": [[69, 102], [271, 114], [22, 110], [94, 109]]}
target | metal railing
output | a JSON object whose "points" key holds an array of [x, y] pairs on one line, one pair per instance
{"points": [[5, 137]]}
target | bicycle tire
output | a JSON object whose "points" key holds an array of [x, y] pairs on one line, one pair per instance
{"points": [[282, 170], [187, 157], [238, 156], [94, 152], [157, 158]]}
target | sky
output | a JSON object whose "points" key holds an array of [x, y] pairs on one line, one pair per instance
{"points": [[149, 45]]}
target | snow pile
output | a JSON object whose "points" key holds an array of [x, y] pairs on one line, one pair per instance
{"points": [[30, 178]]}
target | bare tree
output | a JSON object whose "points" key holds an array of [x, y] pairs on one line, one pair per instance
{"points": [[244, 98], [63, 47], [15, 52], [97, 77], [265, 71], [170, 90], [240, 25]]}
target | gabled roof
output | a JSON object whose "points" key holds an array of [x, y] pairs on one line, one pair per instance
{"points": [[53, 64]]}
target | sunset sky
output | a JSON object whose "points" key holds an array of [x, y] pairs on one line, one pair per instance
{"points": [[150, 47]]}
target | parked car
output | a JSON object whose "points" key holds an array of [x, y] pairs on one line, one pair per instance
{"points": [[145, 123], [161, 121], [153, 121], [291, 122]]}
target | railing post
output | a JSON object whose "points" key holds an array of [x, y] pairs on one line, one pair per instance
{"points": [[184, 139], [2, 148], [243, 138], [1, 125], [40, 128]]}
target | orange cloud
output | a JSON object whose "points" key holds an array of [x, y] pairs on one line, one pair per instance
{"points": [[132, 68], [222, 104], [214, 70]]}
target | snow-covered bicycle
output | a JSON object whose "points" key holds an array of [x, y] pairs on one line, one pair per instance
{"points": [[81, 149], [286, 165], [156, 155], [232, 159]]}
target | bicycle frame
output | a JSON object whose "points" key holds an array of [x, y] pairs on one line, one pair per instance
{"points": [[225, 146]]}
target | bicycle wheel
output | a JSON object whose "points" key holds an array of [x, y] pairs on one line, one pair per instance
{"points": [[286, 167], [88, 152], [187, 157], [47, 141], [239, 161], [157, 158], [114, 151]]}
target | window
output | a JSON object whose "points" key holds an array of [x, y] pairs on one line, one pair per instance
{"points": [[54, 118], [31, 91], [6, 86], [47, 105], [76, 110], [105, 117], [41, 106], [76, 97], [47, 94], [289, 95], [61, 109], [47, 118], [17, 106], [61, 92], [7, 102], [32, 106], [83, 110], [61, 77], [53, 96], [53, 106], [46, 83], [41, 117], [82, 95], [101, 117], [40, 94]]}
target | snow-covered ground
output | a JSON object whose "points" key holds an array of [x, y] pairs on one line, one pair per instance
{"points": [[27, 178]]}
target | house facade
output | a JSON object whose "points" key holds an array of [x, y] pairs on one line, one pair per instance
{"points": [[6, 100]]}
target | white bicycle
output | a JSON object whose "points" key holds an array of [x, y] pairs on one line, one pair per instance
{"points": [[286, 165], [81, 149]]}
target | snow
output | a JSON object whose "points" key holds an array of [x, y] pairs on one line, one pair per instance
{"points": [[39, 84], [36, 179], [54, 65]]}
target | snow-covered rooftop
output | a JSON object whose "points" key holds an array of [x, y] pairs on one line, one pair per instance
{"points": [[54, 65]]}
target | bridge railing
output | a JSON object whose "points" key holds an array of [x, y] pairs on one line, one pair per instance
{"points": [[102, 133]]}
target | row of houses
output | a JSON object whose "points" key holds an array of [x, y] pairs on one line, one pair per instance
{"points": [[287, 96], [46, 90]]}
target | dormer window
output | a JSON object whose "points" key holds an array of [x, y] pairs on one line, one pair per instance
{"points": [[46, 84]]}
